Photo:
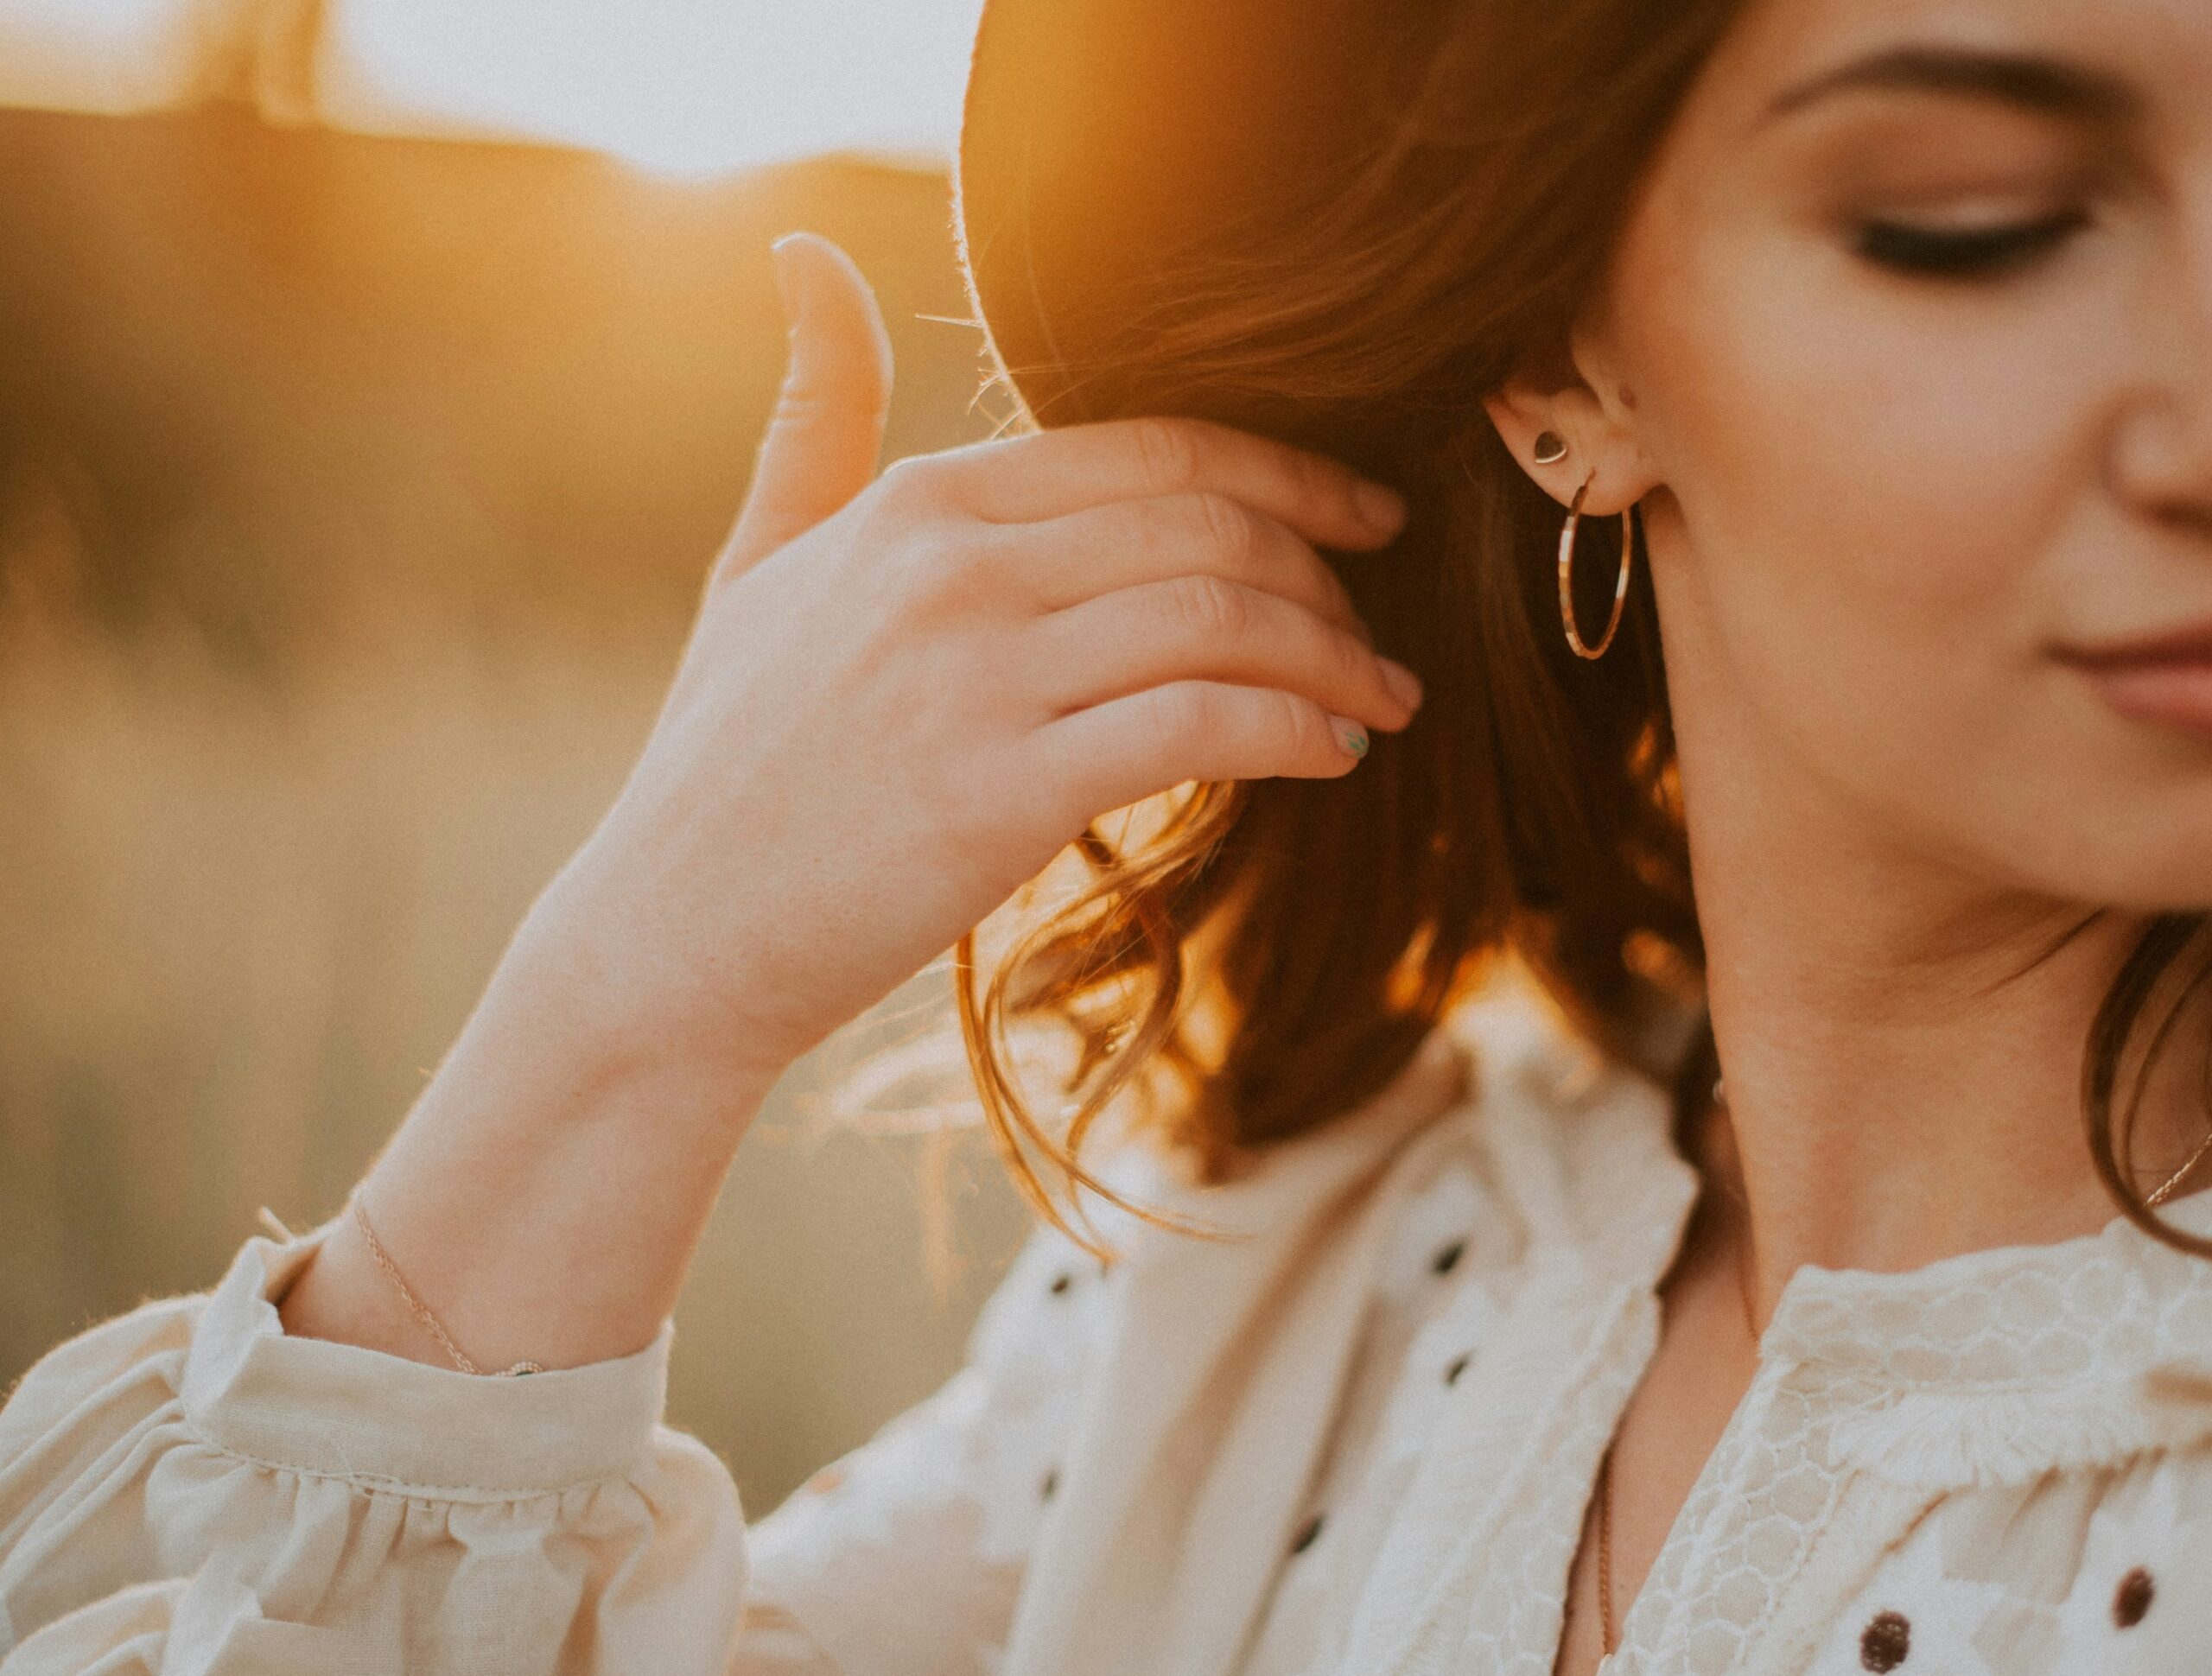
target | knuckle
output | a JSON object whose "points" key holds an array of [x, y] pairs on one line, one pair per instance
{"points": [[928, 484], [927, 564], [1232, 529], [1213, 609], [913, 482], [808, 400], [1167, 453]]}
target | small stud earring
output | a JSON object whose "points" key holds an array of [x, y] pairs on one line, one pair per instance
{"points": [[1550, 450]]}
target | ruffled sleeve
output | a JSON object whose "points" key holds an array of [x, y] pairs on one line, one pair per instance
{"points": [[187, 1490]]}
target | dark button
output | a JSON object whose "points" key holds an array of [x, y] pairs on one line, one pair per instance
{"points": [[1459, 1367], [1052, 1482], [1062, 1281], [2132, 1598], [1885, 1641], [1443, 1260], [1307, 1532]]}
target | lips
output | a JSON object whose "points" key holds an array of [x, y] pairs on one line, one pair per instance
{"points": [[2190, 642], [2174, 694], [2164, 678]]}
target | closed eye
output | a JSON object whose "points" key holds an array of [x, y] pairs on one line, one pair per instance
{"points": [[1964, 253]]}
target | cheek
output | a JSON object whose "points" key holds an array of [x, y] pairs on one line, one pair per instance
{"points": [[1858, 455], [1876, 478]]}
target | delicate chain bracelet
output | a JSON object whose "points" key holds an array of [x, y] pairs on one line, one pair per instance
{"points": [[416, 1307]]}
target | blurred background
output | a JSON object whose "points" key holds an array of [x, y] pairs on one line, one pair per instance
{"points": [[377, 380]]}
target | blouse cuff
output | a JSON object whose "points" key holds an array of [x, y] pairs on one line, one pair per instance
{"points": [[317, 1406]]}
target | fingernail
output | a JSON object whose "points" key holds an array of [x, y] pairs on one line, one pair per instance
{"points": [[1403, 684], [1350, 735], [1382, 508]]}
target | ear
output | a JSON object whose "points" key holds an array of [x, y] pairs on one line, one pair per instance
{"points": [[1580, 402]]}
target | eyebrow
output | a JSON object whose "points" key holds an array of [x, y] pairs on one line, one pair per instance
{"points": [[2047, 87]]}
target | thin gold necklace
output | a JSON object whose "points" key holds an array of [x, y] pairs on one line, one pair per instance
{"points": [[2174, 1180], [1606, 1467]]}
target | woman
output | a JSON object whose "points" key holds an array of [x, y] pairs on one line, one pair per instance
{"points": [[1881, 330]]}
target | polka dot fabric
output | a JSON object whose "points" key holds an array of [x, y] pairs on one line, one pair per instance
{"points": [[1986, 1465], [1982, 1468], [1356, 1436]]}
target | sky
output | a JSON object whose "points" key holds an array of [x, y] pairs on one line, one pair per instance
{"points": [[693, 87]]}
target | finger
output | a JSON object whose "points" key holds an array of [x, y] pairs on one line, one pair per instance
{"points": [[1200, 627], [1049, 473], [1121, 752], [822, 442], [1058, 563]]}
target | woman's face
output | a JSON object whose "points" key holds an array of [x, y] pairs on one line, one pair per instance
{"points": [[1908, 345]]}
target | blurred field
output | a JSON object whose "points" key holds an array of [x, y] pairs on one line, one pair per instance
{"points": [[353, 496]]}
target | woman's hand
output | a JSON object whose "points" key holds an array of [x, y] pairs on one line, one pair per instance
{"points": [[902, 698]]}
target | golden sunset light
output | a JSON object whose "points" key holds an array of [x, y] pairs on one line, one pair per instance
{"points": [[690, 87], [1105, 837], [684, 86]]}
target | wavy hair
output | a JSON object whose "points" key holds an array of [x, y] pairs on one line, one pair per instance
{"points": [[1314, 931]]}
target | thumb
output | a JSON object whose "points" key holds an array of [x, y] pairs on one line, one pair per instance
{"points": [[822, 441]]}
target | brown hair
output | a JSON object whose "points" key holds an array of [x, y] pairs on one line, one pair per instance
{"points": [[1532, 809]]}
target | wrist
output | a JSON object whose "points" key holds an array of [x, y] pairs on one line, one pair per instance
{"points": [[545, 1195], [583, 1001], [608, 961], [543, 1198]]}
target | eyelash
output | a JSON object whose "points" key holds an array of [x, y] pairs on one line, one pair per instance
{"points": [[1948, 253]]}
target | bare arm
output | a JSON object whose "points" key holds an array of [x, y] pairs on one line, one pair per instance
{"points": [[903, 696]]}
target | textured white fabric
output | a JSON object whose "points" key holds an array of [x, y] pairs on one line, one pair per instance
{"points": [[1356, 1438]]}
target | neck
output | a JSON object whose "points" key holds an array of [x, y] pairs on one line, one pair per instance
{"points": [[1902, 1046]]}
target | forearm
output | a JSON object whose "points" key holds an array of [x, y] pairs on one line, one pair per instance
{"points": [[545, 1195]]}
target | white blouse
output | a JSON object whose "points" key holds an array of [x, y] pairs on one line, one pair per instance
{"points": [[1358, 1439]]}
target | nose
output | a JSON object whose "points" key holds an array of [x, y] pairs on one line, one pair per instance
{"points": [[2161, 459], [2163, 463]]}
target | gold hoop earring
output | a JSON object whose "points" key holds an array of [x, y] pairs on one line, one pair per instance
{"points": [[1566, 573]]}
